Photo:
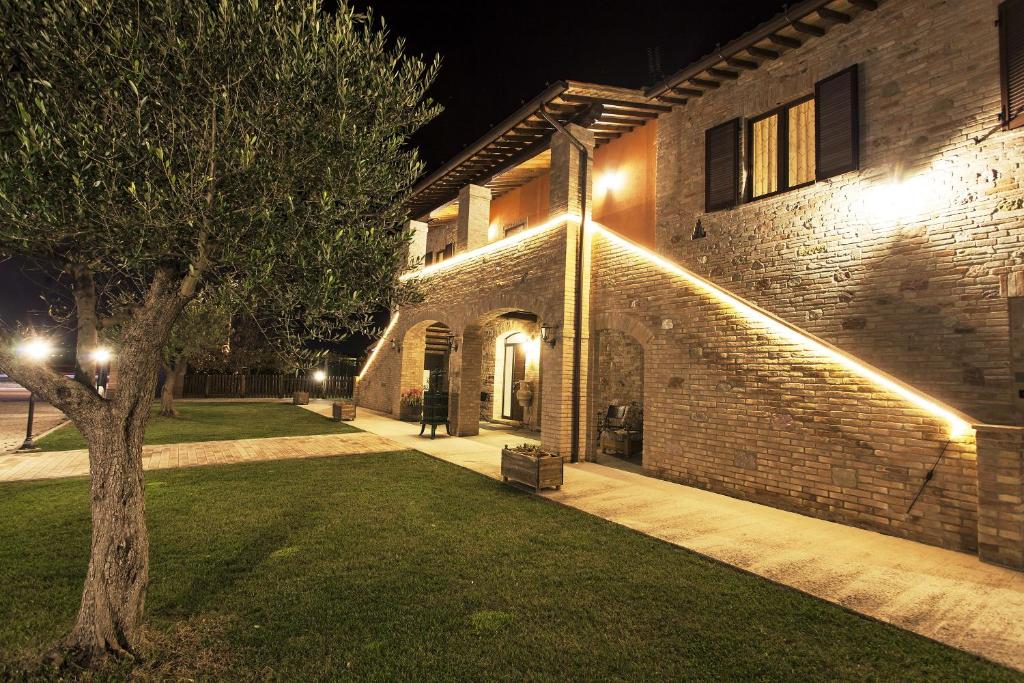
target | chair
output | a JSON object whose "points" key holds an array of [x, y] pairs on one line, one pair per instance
{"points": [[620, 430]]}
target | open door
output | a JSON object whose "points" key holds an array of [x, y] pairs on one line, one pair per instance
{"points": [[514, 372]]}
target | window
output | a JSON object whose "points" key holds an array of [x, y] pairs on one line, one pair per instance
{"points": [[813, 138], [780, 152], [722, 166], [1011, 58]]}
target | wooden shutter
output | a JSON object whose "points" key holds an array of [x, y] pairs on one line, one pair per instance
{"points": [[722, 166], [837, 124], [1011, 57]]}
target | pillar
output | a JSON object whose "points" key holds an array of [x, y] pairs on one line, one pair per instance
{"points": [[1001, 495], [464, 380], [417, 248], [474, 218]]}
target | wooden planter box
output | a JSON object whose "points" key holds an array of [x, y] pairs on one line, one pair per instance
{"points": [[300, 398], [537, 471], [343, 410]]}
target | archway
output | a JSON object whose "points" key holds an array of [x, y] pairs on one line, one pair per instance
{"points": [[426, 352], [618, 399]]}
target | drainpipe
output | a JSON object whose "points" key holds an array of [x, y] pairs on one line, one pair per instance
{"points": [[577, 346]]}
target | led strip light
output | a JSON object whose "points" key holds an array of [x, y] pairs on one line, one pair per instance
{"points": [[376, 349], [492, 247], [959, 424]]}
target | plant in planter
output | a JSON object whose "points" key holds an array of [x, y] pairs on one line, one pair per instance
{"points": [[411, 406], [529, 465]]}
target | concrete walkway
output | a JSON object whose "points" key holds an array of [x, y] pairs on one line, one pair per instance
{"points": [[52, 465], [949, 596]]}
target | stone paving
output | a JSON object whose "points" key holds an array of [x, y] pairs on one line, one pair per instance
{"points": [[51, 465], [14, 415]]}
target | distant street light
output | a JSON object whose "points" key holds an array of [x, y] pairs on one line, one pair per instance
{"points": [[101, 356], [36, 350]]}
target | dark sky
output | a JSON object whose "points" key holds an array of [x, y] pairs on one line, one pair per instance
{"points": [[495, 55]]}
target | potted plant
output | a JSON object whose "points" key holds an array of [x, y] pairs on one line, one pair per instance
{"points": [[529, 465], [411, 406]]}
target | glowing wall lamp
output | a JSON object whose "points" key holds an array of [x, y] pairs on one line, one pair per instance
{"points": [[901, 199], [610, 181]]}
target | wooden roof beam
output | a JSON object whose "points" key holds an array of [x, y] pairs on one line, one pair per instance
{"points": [[619, 118], [668, 99], [723, 73], [621, 104], [784, 41], [762, 52], [869, 5], [687, 92], [809, 29], [834, 16], [741, 63], [705, 83]]}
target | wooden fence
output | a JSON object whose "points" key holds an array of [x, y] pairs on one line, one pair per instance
{"points": [[264, 386]]}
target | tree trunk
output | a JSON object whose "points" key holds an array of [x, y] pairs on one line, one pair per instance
{"points": [[173, 374], [114, 595], [87, 335]]}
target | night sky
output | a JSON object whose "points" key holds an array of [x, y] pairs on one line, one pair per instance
{"points": [[495, 55]]}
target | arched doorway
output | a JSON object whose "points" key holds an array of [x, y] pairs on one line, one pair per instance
{"points": [[618, 399]]}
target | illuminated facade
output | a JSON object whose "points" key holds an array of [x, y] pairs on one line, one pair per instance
{"points": [[803, 257]]}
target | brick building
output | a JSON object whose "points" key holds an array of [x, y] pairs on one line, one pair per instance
{"points": [[803, 256]]}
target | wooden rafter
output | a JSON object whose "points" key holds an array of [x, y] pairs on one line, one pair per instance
{"points": [[832, 15], [763, 52], [723, 73], [784, 41], [705, 83], [809, 29], [740, 63], [687, 92], [870, 5]]}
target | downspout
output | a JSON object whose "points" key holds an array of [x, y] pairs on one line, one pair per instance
{"points": [[577, 345]]}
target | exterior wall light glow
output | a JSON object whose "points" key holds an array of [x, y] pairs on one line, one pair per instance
{"points": [[898, 201], [376, 349], [610, 181], [492, 247], [959, 424]]}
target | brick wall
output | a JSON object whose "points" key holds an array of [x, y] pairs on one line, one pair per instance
{"points": [[618, 376], [915, 294], [733, 407], [1001, 495]]}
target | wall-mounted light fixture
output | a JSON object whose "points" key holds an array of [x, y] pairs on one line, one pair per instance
{"points": [[395, 346], [609, 181], [549, 334]]}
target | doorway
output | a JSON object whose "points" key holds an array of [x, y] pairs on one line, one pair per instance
{"points": [[514, 369]]}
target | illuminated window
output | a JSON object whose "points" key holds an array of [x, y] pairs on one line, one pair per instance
{"points": [[780, 151]]}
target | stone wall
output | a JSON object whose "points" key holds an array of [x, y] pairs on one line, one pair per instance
{"points": [[732, 406], [904, 275], [618, 369]]}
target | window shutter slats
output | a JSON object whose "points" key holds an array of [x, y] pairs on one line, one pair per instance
{"points": [[837, 124], [722, 166], [1011, 51]]}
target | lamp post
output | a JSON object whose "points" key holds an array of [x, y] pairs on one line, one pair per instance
{"points": [[36, 351], [320, 376]]}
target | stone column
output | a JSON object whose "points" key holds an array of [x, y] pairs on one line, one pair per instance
{"points": [[417, 248], [474, 218], [1001, 495], [464, 375]]}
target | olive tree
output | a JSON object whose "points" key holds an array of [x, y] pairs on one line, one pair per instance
{"points": [[151, 150]]}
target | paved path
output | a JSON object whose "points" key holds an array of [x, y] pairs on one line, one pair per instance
{"points": [[945, 595], [14, 416], [51, 465]]}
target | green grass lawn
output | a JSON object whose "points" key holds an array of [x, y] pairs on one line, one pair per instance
{"points": [[400, 567], [215, 422]]}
